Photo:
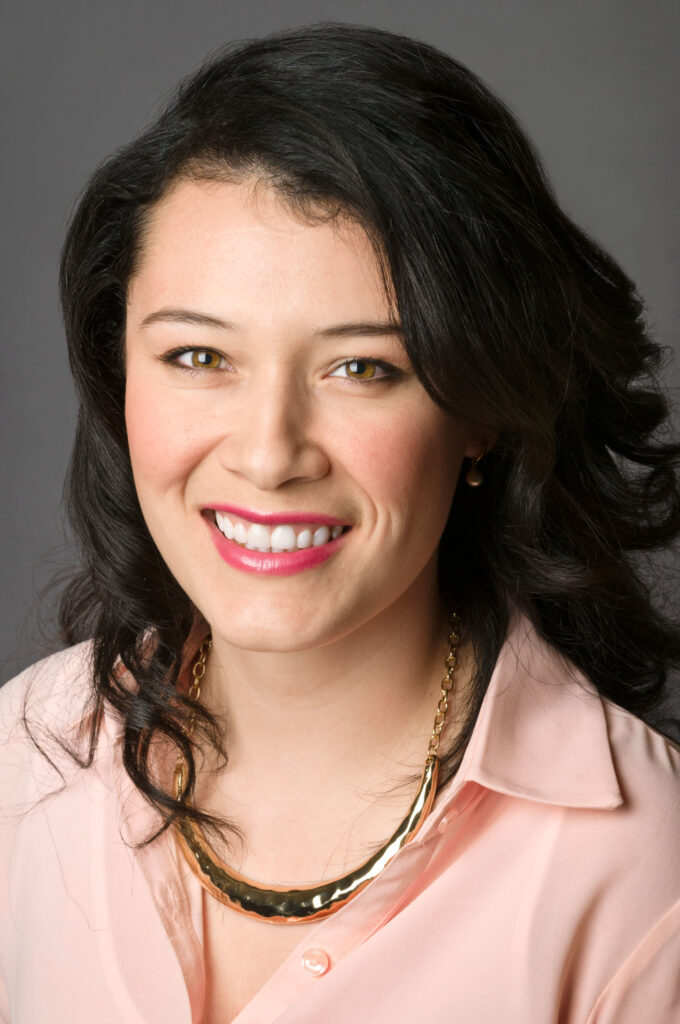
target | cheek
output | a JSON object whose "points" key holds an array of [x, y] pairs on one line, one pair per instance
{"points": [[409, 464], [163, 436]]}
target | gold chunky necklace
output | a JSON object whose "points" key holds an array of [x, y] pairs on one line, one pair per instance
{"points": [[292, 906]]}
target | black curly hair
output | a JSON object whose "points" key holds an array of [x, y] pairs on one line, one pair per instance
{"points": [[512, 316]]}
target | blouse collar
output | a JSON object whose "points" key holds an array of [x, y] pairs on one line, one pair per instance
{"points": [[541, 732]]}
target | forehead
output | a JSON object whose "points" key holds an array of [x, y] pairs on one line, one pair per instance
{"points": [[214, 238]]}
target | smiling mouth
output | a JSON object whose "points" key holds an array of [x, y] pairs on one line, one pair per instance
{"points": [[277, 537]]}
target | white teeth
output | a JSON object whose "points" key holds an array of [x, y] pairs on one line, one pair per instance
{"points": [[258, 537], [283, 538], [321, 536]]}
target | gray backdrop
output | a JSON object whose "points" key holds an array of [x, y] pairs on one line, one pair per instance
{"points": [[595, 83]]}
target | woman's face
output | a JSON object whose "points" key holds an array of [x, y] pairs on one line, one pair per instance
{"points": [[266, 382]]}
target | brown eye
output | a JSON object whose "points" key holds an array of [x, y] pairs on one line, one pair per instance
{"points": [[196, 359], [205, 359], [361, 369], [357, 369]]}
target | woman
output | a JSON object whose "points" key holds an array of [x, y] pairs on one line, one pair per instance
{"points": [[369, 435]]}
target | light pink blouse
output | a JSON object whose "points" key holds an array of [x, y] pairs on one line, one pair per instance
{"points": [[544, 888]]}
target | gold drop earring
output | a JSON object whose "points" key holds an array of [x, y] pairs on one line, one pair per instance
{"points": [[474, 477]]}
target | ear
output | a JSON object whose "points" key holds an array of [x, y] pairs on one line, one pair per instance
{"points": [[480, 442]]}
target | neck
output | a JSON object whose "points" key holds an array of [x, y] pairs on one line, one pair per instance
{"points": [[357, 710]]}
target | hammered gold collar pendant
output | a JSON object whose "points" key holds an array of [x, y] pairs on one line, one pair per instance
{"points": [[293, 906]]}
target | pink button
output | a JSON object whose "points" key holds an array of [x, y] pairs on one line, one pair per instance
{"points": [[315, 961]]}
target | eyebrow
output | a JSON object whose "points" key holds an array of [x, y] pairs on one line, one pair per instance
{"points": [[345, 330]]}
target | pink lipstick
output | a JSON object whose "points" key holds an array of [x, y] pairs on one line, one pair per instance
{"points": [[278, 517], [272, 563]]}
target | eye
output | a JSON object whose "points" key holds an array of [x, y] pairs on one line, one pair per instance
{"points": [[364, 369], [197, 358]]}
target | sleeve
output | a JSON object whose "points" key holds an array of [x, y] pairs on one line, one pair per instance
{"points": [[647, 985]]}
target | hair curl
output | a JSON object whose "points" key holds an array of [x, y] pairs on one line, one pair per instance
{"points": [[512, 317]]}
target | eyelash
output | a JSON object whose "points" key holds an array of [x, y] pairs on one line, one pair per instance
{"points": [[389, 372]]}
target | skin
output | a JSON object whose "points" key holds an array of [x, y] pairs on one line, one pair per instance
{"points": [[328, 678]]}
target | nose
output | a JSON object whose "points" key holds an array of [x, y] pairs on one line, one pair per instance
{"points": [[269, 440]]}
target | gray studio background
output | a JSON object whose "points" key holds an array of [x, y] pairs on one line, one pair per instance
{"points": [[593, 81]]}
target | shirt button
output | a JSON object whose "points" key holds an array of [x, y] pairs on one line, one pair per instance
{"points": [[315, 961]]}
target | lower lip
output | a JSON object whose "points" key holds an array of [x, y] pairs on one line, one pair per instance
{"points": [[273, 563]]}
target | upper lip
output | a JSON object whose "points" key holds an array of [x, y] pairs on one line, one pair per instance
{"points": [[279, 517]]}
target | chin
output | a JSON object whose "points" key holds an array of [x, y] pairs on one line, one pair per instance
{"points": [[268, 628]]}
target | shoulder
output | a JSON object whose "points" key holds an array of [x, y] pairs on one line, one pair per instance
{"points": [[605, 779], [52, 678], [638, 838], [627, 856], [647, 766], [54, 691], [642, 755], [42, 709], [641, 889]]}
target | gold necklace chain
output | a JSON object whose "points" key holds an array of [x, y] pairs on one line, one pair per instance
{"points": [[290, 906]]}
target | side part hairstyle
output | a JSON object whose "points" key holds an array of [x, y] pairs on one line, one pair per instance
{"points": [[512, 317]]}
